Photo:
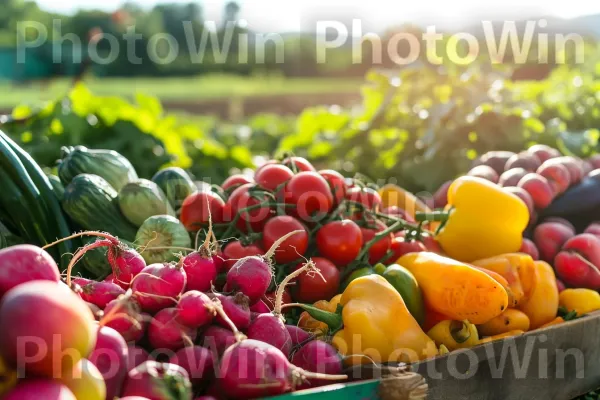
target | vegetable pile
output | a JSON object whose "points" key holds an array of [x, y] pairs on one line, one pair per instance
{"points": [[280, 280]]}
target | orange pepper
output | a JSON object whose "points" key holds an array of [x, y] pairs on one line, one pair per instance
{"points": [[555, 321], [314, 326], [542, 305], [501, 336], [502, 281]]}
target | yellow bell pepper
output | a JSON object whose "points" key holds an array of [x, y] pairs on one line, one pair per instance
{"points": [[582, 301], [314, 326], [481, 220], [541, 305], [454, 334], [455, 289]]}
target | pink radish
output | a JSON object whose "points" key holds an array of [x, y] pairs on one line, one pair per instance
{"points": [[253, 369], [197, 362], [195, 309], [126, 264], [158, 381], [218, 339], [158, 286], [110, 357], [124, 316], [298, 335], [166, 332], [110, 278], [136, 356], [318, 356], [236, 307], [200, 270], [99, 293], [206, 398], [260, 308], [270, 328], [25, 263], [38, 389], [252, 275]]}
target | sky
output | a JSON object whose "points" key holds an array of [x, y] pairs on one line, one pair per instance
{"points": [[294, 15]]}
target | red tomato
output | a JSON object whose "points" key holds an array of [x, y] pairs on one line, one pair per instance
{"points": [[401, 247], [340, 241], [431, 244], [269, 299], [310, 193], [270, 162], [240, 199], [194, 210], [301, 163], [398, 212], [381, 247], [336, 182], [311, 287], [272, 176], [293, 247], [366, 196], [235, 181], [234, 251]]}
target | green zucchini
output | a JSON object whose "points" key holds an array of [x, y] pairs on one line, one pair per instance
{"points": [[57, 186], [176, 184], [91, 202], [108, 164]]}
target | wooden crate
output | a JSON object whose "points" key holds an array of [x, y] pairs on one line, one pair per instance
{"points": [[560, 362]]}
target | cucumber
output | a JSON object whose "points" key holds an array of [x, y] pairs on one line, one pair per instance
{"points": [[91, 202]]}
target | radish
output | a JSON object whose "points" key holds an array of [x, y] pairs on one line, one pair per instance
{"points": [[270, 328], [252, 275], [99, 293], [136, 356], [197, 362], [200, 266], [38, 389], [25, 263], [110, 357], [158, 286], [235, 307], [195, 309], [110, 278], [158, 381], [218, 339], [124, 315], [166, 332], [32, 316], [253, 369], [126, 264], [260, 308], [318, 356], [298, 335]]}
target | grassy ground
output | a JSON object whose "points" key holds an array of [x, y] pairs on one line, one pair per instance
{"points": [[181, 89]]}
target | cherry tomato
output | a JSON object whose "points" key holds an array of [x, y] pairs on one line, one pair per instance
{"points": [[401, 247], [381, 247], [336, 182], [234, 251], [269, 299], [242, 198], [301, 163], [310, 192], [270, 162], [293, 247], [311, 287], [366, 196], [272, 176], [340, 241], [194, 210], [431, 244], [398, 212], [235, 181]]}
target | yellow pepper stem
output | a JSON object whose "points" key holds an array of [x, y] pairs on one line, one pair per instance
{"points": [[460, 331]]}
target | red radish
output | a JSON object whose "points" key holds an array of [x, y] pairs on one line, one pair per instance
{"points": [[206, 398], [38, 389], [530, 248], [298, 335], [218, 339], [136, 356], [200, 270], [97, 311], [197, 362], [235, 251], [158, 381], [126, 264], [318, 356], [158, 286], [235, 307], [260, 308], [252, 275], [269, 299], [110, 357], [25, 263], [125, 317], [33, 315], [109, 279], [253, 369], [270, 328], [100, 293], [166, 332], [219, 260], [195, 309]]}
